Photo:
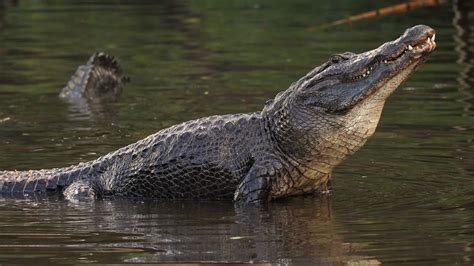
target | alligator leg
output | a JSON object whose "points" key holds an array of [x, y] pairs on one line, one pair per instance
{"points": [[255, 186], [80, 190]]}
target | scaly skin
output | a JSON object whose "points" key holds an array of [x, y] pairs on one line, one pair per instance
{"points": [[289, 148], [208, 155], [100, 79]]}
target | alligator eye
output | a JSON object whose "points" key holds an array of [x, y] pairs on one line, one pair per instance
{"points": [[335, 59]]}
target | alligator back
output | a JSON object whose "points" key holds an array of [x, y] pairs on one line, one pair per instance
{"points": [[199, 159]]}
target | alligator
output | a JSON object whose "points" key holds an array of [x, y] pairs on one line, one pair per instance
{"points": [[289, 148], [100, 79]]}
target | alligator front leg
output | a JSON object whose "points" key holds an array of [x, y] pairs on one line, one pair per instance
{"points": [[255, 186]]}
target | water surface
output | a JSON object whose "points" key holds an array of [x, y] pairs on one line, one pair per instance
{"points": [[406, 197]]}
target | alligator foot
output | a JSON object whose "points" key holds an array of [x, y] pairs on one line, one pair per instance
{"points": [[255, 187], [326, 188]]}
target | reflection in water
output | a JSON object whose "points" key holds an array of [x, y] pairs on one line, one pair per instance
{"points": [[302, 229], [464, 23], [83, 109]]}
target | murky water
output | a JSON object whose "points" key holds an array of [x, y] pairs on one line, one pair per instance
{"points": [[406, 197]]}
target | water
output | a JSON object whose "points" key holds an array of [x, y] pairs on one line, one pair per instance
{"points": [[406, 197]]}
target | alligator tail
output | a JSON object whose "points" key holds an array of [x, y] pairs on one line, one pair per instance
{"points": [[107, 63], [100, 78], [37, 181]]}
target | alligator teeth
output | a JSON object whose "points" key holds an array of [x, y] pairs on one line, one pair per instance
{"points": [[410, 47], [433, 37]]}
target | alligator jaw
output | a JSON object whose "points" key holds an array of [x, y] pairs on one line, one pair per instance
{"points": [[422, 47], [416, 49], [404, 55]]}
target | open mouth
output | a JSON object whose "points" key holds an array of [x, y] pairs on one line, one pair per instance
{"points": [[417, 49]]}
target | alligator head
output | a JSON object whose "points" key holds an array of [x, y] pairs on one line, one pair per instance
{"points": [[337, 105], [348, 79]]}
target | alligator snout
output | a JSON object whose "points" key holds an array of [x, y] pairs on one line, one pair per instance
{"points": [[416, 42], [419, 39], [418, 32]]}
